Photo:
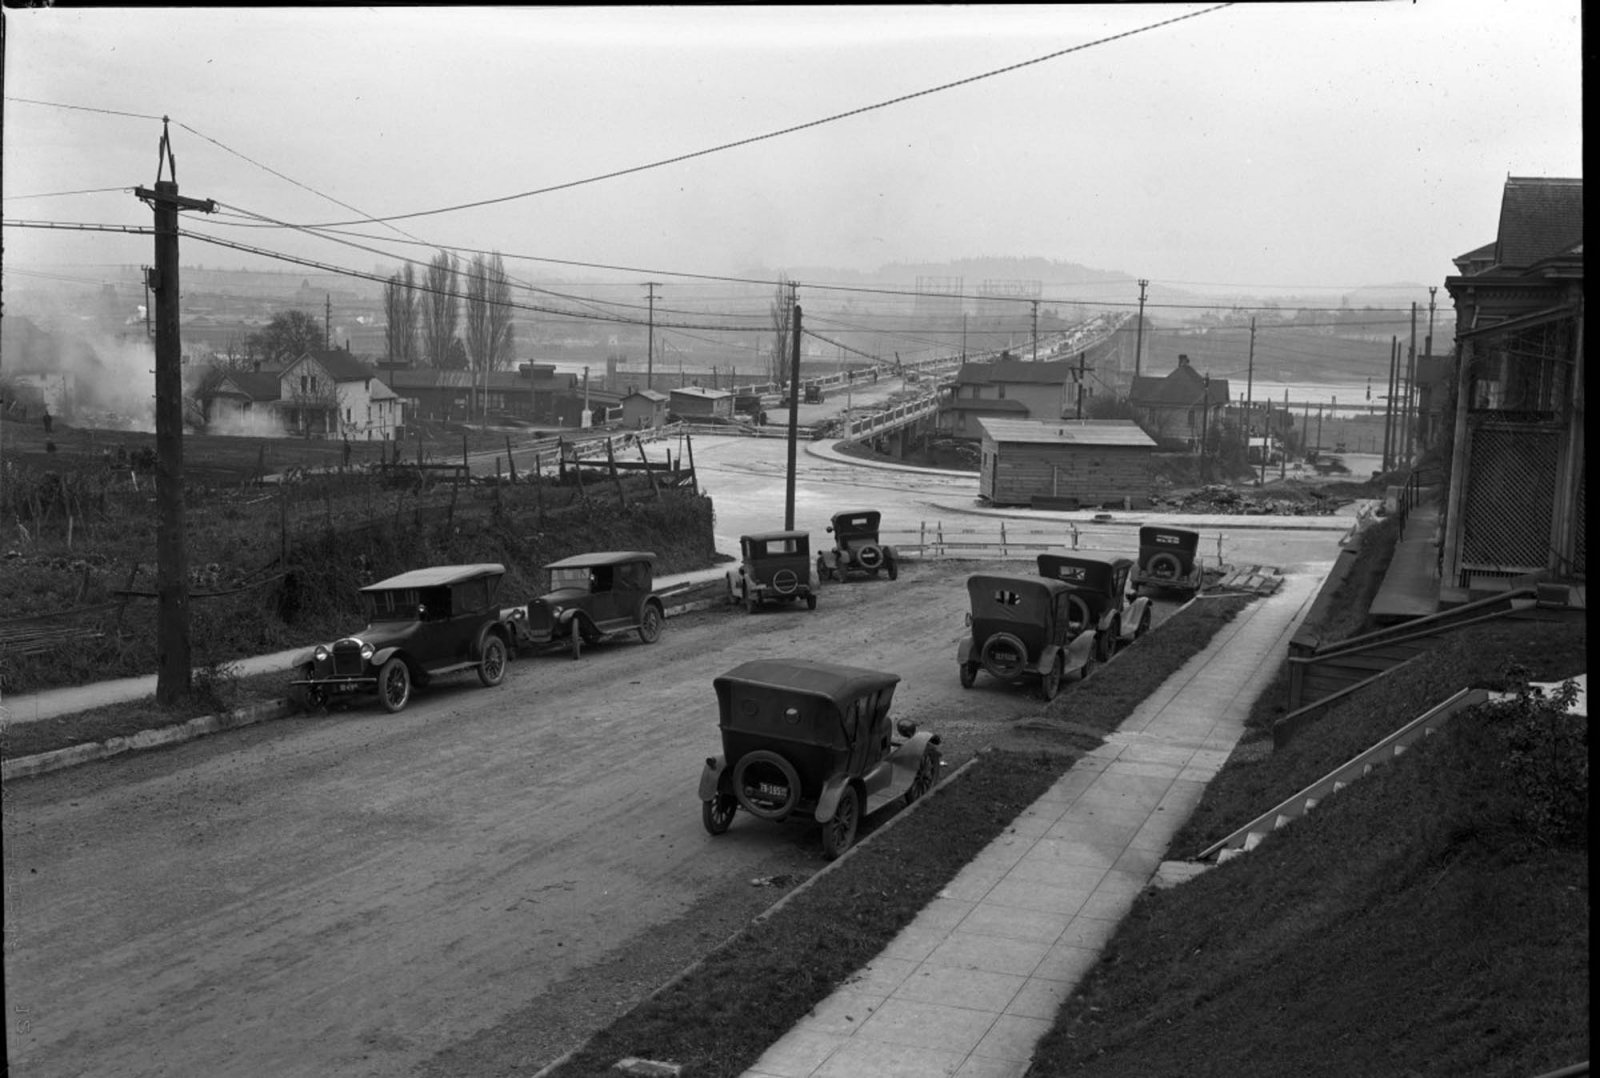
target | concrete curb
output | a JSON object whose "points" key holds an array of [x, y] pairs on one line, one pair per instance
{"points": [[44, 762]]}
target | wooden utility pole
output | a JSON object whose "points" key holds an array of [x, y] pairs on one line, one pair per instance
{"points": [[794, 417], [650, 353], [1082, 373], [1249, 388], [1035, 330], [172, 569], [1138, 339], [1388, 404], [1411, 388], [327, 321]]}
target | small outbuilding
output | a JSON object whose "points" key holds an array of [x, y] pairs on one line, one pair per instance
{"points": [[1063, 463], [643, 408], [698, 402]]}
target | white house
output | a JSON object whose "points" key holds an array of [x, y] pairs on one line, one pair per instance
{"points": [[331, 394]]}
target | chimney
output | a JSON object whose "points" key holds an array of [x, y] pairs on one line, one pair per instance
{"points": [[1183, 360]]}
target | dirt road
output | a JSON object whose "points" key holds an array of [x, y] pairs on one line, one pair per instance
{"points": [[492, 871]]}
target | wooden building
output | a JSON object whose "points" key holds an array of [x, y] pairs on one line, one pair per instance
{"points": [[644, 408], [698, 402], [1064, 462]]}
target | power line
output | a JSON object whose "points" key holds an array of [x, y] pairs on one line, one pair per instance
{"points": [[83, 108], [63, 194], [784, 131]]}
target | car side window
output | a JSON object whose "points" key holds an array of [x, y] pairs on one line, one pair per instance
{"points": [[470, 596]]}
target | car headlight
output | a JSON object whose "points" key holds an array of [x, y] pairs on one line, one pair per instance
{"points": [[366, 650], [555, 611], [320, 654]]}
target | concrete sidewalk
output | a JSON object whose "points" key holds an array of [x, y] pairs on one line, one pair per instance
{"points": [[968, 988]]}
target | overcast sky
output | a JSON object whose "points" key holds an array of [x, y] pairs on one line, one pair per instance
{"points": [[1258, 145]]}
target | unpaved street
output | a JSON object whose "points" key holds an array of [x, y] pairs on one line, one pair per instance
{"points": [[351, 894]]}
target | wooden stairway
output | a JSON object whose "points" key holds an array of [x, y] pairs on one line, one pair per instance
{"points": [[1253, 833]]}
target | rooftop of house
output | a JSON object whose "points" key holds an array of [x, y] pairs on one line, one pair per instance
{"points": [[1182, 387], [1085, 432], [1017, 371], [1539, 217]]}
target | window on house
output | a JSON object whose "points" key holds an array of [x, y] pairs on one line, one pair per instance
{"points": [[347, 412], [1000, 391], [303, 384], [1527, 371]]}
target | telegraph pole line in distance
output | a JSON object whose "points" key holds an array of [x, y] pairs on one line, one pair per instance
{"points": [[794, 417], [173, 663]]}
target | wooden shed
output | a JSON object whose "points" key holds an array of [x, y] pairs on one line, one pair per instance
{"points": [[695, 402], [1063, 463], [644, 408]]}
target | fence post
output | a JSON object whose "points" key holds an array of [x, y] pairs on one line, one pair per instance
{"points": [[1074, 528], [1003, 551], [611, 463], [650, 471], [1219, 550], [940, 525], [510, 460], [922, 537]]}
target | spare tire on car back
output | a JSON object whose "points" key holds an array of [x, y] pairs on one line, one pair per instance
{"points": [[1165, 566], [869, 556], [1005, 656], [757, 779]]}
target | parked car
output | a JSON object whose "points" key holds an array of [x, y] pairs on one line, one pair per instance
{"points": [[591, 597], [812, 739], [814, 394], [1022, 627], [1099, 598], [856, 547], [420, 625], [1167, 559], [774, 567], [749, 406]]}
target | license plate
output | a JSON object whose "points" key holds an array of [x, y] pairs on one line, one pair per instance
{"points": [[770, 790]]}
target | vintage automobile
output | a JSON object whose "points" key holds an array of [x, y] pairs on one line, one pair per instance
{"points": [[420, 625], [856, 547], [774, 567], [812, 739], [591, 597], [814, 394], [1099, 599], [1022, 628], [1167, 559]]}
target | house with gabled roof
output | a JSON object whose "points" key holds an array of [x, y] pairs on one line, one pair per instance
{"points": [[1006, 389], [1181, 405], [1514, 504], [1064, 462], [329, 393]]}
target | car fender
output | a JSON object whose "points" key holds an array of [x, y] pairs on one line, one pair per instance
{"points": [[830, 558], [1080, 649], [832, 790], [494, 628], [1047, 655], [964, 652], [646, 604], [381, 656], [711, 777], [307, 656], [1134, 615]]}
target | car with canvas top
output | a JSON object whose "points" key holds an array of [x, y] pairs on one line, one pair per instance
{"points": [[1099, 598], [856, 547], [1169, 559], [1022, 628], [774, 567], [803, 739], [589, 597], [421, 625]]}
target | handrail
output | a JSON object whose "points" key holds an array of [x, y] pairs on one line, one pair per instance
{"points": [[1422, 626]]}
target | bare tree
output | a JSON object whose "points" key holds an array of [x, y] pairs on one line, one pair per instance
{"points": [[489, 335], [782, 312], [400, 309], [443, 310]]}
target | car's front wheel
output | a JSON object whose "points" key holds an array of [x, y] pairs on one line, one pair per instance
{"points": [[969, 675], [1050, 684], [394, 685], [811, 600], [577, 641], [892, 567], [927, 774], [1144, 624], [492, 667], [650, 625], [316, 697], [717, 814], [839, 832]]}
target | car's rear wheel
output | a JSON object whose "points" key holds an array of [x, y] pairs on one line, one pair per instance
{"points": [[750, 601], [1165, 567], [766, 784], [1105, 643], [1050, 684], [969, 675], [892, 567], [717, 814], [577, 640], [1144, 624], [1088, 667], [1004, 656], [811, 600], [394, 685], [650, 625], [839, 832], [927, 774], [823, 572], [492, 667]]}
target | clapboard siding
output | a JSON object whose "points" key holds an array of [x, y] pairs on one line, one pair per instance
{"points": [[1091, 474]]}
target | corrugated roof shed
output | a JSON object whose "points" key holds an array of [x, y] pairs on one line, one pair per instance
{"points": [[701, 392], [1123, 432]]}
